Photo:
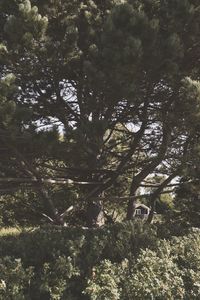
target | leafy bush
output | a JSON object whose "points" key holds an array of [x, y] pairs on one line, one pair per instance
{"points": [[86, 246], [187, 252], [119, 262], [104, 282], [153, 277], [149, 277], [63, 258], [14, 279], [55, 278], [171, 271]]}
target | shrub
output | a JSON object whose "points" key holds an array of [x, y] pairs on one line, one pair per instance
{"points": [[104, 281], [153, 277], [118, 262], [171, 271], [187, 253], [87, 247], [78, 250], [148, 277], [55, 278], [15, 280]]}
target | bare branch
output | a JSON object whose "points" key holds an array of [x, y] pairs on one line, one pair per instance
{"points": [[47, 180]]}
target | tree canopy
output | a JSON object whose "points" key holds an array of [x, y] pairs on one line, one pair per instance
{"points": [[98, 99]]}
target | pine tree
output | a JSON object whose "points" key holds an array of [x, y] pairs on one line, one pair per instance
{"points": [[74, 74]]}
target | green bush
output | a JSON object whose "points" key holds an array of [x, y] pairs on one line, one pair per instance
{"points": [[55, 278], [15, 280], [78, 250], [153, 277], [187, 253], [171, 271], [104, 282], [86, 246], [119, 262], [148, 277]]}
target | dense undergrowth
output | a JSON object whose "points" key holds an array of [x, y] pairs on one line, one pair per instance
{"points": [[122, 261]]}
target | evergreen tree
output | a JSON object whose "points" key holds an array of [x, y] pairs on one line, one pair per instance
{"points": [[76, 73], [187, 200]]}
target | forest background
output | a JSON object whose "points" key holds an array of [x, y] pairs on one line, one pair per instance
{"points": [[99, 111]]}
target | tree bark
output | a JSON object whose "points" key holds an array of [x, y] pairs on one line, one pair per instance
{"points": [[156, 194], [136, 181]]}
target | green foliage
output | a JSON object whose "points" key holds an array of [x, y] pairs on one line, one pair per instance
{"points": [[24, 208], [14, 279], [64, 258], [165, 204], [8, 106], [27, 18], [120, 80], [186, 251], [20, 209], [54, 263], [187, 201], [55, 278], [154, 277], [93, 69], [149, 277], [187, 205], [169, 272], [85, 246], [104, 282], [190, 92]]}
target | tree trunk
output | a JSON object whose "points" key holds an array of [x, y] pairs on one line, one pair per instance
{"points": [[95, 214], [48, 204], [132, 201], [131, 209], [151, 214]]}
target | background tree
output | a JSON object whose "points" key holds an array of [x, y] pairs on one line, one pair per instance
{"points": [[187, 200], [96, 92]]}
